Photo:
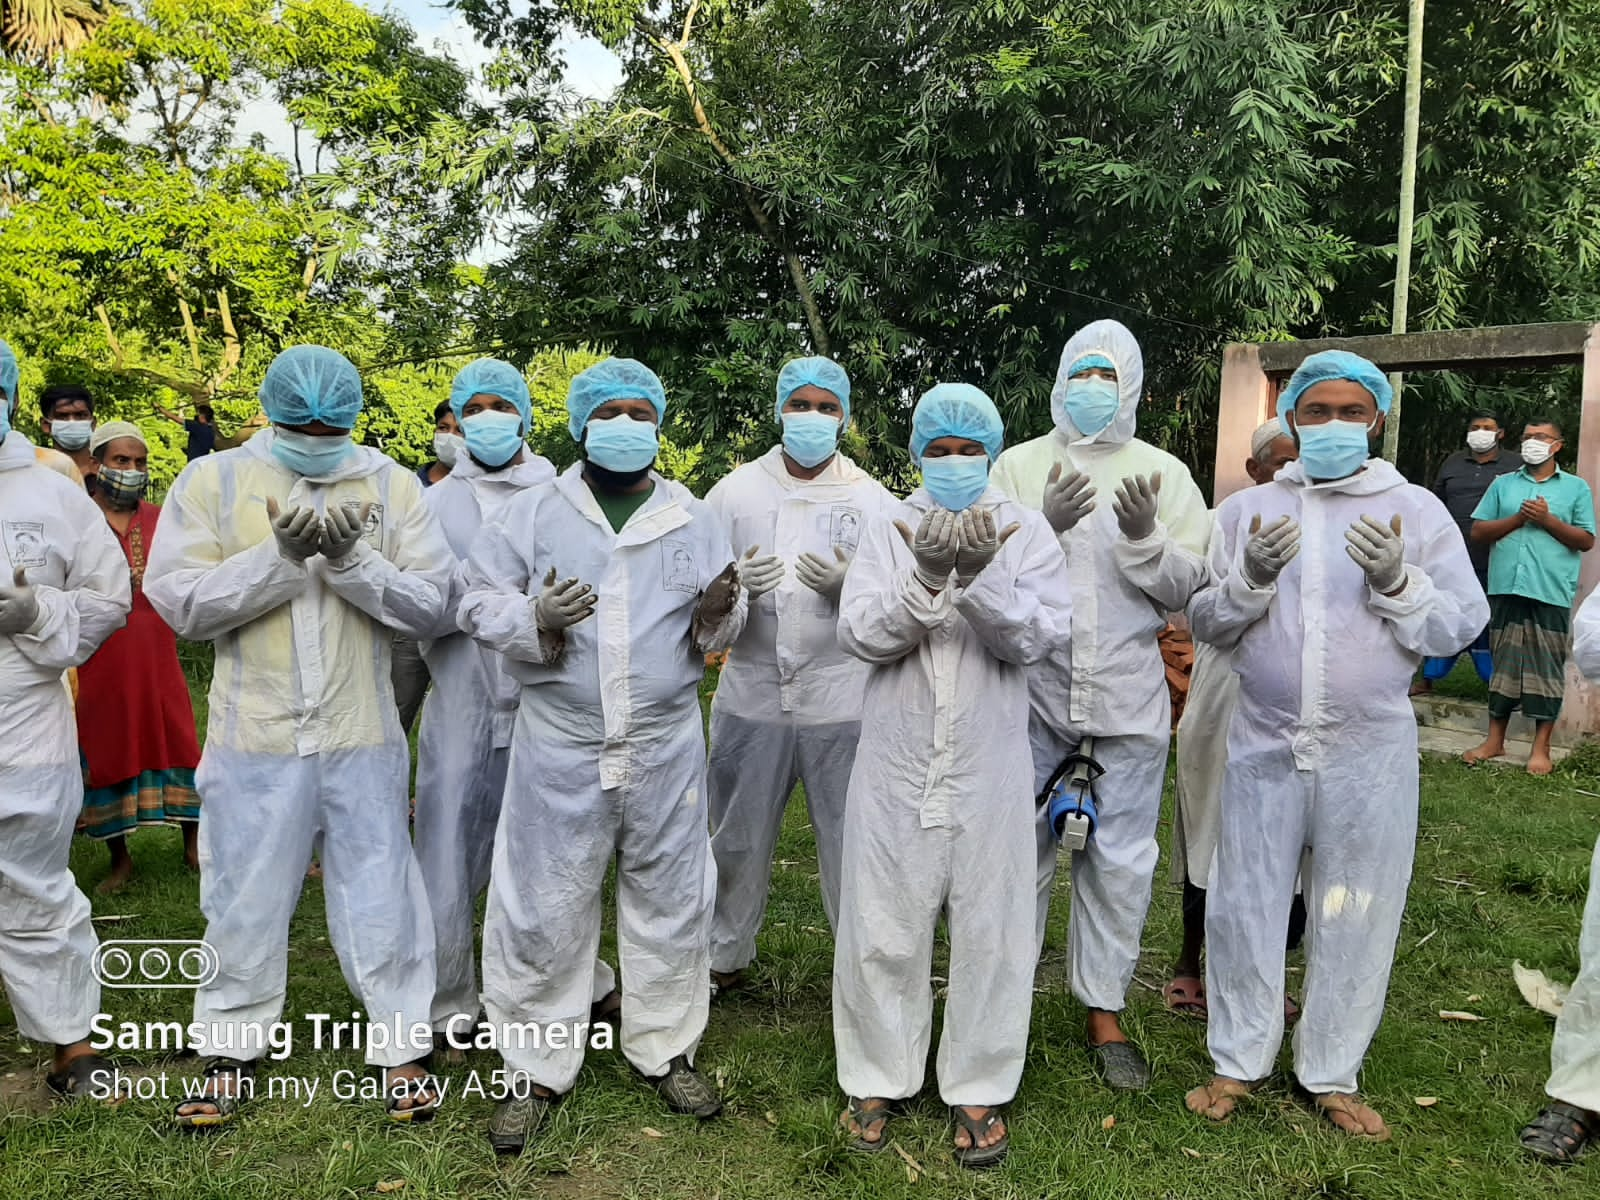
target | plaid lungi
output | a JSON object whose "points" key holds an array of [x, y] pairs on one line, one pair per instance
{"points": [[1529, 641]]}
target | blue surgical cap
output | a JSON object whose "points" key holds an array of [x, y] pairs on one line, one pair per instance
{"points": [[1093, 362], [818, 372], [496, 378], [9, 372], [1335, 364], [611, 379], [957, 410], [312, 383]]}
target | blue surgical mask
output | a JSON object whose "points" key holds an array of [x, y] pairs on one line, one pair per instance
{"points": [[810, 438], [622, 444], [956, 480], [308, 454], [71, 435], [493, 438], [5, 416], [1333, 450], [1092, 404]]}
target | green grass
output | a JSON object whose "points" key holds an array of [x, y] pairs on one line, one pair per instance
{"points": [[1501, 869]]}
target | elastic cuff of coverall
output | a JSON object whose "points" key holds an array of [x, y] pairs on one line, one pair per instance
{"points": [[1405, 599], [929, 608], [41, 619], [1242, 592], [353, 558], [1145, 548]]}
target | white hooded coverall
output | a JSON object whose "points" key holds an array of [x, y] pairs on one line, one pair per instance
{"points": [[79, 575], [607, 761], [1575, 1052], [463, 746], [1322, 754], [940, 813], [304, 741], [788, 705], [1114, 688]]}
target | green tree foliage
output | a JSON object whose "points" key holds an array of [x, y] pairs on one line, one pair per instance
{"points": [[964, 183]]}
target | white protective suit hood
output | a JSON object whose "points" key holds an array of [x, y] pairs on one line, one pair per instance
{"points": [[1116, 341], [16, 451], [1377, 476]]}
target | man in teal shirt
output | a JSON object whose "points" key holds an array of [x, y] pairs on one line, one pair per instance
{"points": [[1538, 520]]}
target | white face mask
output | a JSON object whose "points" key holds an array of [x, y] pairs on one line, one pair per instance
{"points": [[72, 433], [446, 446], [1481, 441], [1536, 453]]}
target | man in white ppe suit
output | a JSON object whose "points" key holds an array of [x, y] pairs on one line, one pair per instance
{"points": [[1570, 1123], [604, 590], [64, 589], [950, 601], [1329, 585], [788, 705], [1132, 561], [298, 555], [465, 738]]}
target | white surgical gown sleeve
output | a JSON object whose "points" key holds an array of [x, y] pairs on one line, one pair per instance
{"points": [[885, 612], [1169, 566], [714, 640], [1227, 605], [496, 609], [404, 588], [1022, 616], [92, 604], [1442, 607], [1586, 638], [200, 593]]}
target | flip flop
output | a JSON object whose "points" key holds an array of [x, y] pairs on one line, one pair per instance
{"points": [[423, 1090], [865, 1119], [976, 1157], [1186, 996], [244, 1083], [87, 1077]]}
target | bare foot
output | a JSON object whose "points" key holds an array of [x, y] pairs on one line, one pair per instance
{"points": [[1539, 763], [121, 873], [1350, 1114], [1216, 1100], [1103, 1027], [314, 871], [410, 1087], [1483, 752]]}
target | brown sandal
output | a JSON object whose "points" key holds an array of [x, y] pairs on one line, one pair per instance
{"points": [[1348, 1113], [1215, 1101]]}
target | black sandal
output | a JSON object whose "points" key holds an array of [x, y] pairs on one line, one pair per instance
{"points": [[1560, 1133], [865, 1119], [976, 1157], [87, 1077], [424, 1088], [517, 1119], [244, 1083]]}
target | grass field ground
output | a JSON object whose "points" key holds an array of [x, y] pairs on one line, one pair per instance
{"points": [[1501, 870]]}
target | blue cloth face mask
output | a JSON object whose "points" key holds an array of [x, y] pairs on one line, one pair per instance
{"points": [[1092, 404], [493, 438], [956, 480], [810, 438], [1333, 450], [308, 454], [622, 444]]}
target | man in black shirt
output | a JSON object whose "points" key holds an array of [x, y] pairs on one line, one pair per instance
{"points": [[1463, 479]]}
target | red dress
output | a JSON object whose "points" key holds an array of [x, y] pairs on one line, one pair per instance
{"points": [[134, 711]]}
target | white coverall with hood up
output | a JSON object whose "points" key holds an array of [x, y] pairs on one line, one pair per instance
{"points": [[607, 761], [1114, 688], [788, 705], [304, 745], [463, 746], [52, 530], [940, 813], [1575, 1052], [1322, 754]]}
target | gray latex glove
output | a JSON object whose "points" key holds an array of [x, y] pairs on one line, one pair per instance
{"points": [[298, 531], [19, 607], [1068, 498], [979, 540], [935, 546], [821, 576], [562, 605], [717, 601], [1270, 550], [1380, 551], [761, 575], [1135, 506], [342, 529]]}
